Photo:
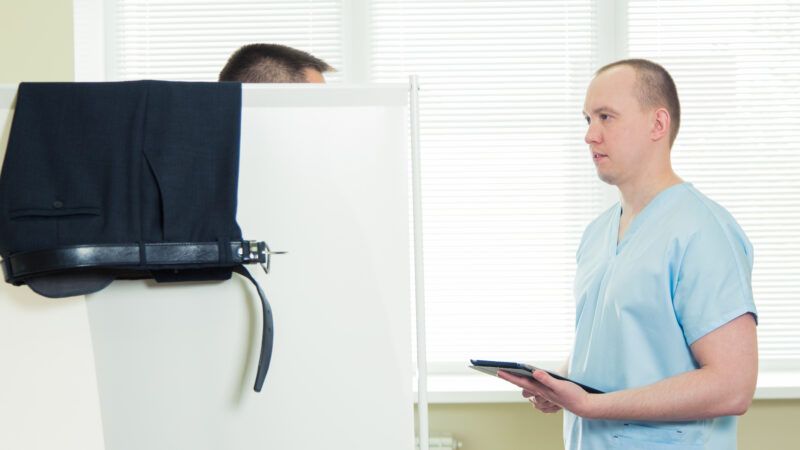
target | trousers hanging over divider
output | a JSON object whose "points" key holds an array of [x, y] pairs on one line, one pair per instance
{"points": [[125, 180]]}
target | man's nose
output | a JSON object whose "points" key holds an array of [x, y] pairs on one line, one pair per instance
{"points": [[592, 135]]}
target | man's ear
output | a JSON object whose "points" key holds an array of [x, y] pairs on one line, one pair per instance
{"points": [[661, 124]]}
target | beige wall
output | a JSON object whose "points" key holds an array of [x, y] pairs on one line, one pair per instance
{"points": [[36, 40], [768, 425]]}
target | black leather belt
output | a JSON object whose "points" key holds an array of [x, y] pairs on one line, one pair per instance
{"points": [[131, 256], [155, 256]]}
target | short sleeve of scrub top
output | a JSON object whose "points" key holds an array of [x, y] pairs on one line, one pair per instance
{"points": [[682, 270]]}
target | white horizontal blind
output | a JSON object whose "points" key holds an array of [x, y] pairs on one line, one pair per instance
{"points": [[737, 68], [507, 186], [192, 39]]}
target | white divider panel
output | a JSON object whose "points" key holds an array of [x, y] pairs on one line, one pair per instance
{"points": [[323, 175]]}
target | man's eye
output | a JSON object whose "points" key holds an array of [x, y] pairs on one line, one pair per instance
{"points": [[588, 121], [603, 116]]}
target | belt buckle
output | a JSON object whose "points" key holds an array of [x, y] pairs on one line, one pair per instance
{"points": [[258, 251], [253, 251], [269, 253]]}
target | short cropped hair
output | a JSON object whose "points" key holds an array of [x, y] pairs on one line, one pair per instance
{"points": [[270, 63], [655, 88]]}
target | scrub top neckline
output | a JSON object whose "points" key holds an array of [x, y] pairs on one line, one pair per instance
{"points": [[640, 218]]}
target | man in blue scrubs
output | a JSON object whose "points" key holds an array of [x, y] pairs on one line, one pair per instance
{"points": [[665, 319]]}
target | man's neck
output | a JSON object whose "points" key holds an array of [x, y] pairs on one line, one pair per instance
{"points": [[636, 194]]}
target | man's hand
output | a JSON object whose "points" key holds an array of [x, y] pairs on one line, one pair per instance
{"points": [[549, 395], [540, 403]]}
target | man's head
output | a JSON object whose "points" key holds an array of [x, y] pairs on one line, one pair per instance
{"points": [[273, 63], [633, 113]]}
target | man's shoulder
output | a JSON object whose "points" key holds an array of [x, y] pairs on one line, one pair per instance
{"points": [[698, 212], [696, 218]]}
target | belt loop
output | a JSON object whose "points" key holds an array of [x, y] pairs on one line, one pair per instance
{"points": [[142, 254], [224, 247]]}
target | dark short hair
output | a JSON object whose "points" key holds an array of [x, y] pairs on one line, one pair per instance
{"points": [[270, 63], [655, 88]]}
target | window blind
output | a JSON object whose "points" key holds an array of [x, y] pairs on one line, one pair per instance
{"points": [[737, 68], [192, 39], [507, 183]]}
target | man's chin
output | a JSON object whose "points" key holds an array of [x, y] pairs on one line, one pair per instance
{"points": [[606, 178]]}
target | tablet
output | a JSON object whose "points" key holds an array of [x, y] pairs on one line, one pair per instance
{"points": [[525, 370]]}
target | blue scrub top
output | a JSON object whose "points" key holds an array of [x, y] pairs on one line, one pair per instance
{"points": [[682, 269]]}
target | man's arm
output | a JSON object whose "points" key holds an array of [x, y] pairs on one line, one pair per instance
{"points": [[722, 386]]}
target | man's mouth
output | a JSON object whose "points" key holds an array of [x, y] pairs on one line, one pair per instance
{"points": [[598, 156]]}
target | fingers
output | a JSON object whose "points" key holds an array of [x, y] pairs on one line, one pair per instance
{"points": [[535, 390], [550, 410], [544, 378], [527, 394], [528, 384], [544, 405], [541, 402], [512, 378]]}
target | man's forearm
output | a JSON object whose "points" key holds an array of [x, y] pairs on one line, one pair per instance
{"points": [[699, 394]]}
